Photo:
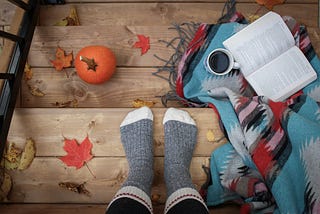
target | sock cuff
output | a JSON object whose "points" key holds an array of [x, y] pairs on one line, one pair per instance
{"points": [[135, 194], [183, 194]]}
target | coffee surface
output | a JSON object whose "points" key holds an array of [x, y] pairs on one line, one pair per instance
{"points": [[219, 62]]}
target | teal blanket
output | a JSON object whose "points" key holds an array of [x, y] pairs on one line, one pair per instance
{"points": [[271, 162]]}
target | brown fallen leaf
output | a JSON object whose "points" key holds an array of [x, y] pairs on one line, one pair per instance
{"points": [[139, 103], [5, 185], [62, 60], [270, 3], [71, 20], [74, 187], [28, 73], [35, 91], [66, 104]]}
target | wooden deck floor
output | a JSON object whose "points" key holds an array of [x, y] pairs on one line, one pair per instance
{"points": [[101, 108]]}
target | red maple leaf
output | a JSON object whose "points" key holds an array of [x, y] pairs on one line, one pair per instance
{"points": [[143, 43], [78, 154]]}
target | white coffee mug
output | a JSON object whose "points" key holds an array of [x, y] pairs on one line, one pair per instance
{"points": [[220, 62]]}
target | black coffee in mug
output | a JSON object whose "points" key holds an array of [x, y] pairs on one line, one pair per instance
{"points": [[219, 62]]}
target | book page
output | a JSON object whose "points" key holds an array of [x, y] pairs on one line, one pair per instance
{"points": [[260, 42], [283, 76]]}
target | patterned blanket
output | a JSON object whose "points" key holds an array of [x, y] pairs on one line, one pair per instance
{"points": [[271, 163]]}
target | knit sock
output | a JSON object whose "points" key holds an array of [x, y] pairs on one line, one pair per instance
{"points": [[180, 138], [137, 139]]}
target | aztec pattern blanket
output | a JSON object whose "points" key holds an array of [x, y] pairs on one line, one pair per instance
{"points": [[271, 163]]}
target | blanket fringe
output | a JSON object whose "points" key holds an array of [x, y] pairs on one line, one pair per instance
{"points": [[179, 44]]}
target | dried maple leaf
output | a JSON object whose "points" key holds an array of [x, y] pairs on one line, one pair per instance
{"points": [[269, 3], [78, 154], [70, 103], [143, 43], [62, 60], [74, 187], [139, 103]]}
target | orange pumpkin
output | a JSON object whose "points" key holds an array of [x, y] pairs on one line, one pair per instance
{"points": [[95, 64]]}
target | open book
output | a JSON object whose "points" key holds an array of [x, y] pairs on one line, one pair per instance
{"points": [[269, 59]]}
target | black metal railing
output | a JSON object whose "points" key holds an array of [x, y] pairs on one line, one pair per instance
{"points": [[13, 76]]}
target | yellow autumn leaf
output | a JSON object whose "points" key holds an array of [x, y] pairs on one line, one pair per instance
{"points": [[210, 136], [5, 185], [11, 157], [252, 18], [63, 22], [139, 103], [13, 153], [27, 155], [28, 72], [71, 20], [74, 16]]}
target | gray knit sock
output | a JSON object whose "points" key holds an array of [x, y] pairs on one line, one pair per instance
{"points": [[136, 137], [180, 138]]}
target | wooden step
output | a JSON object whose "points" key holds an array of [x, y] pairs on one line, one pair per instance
{"points": [[126, 85], [166, 13], [49, 127]]}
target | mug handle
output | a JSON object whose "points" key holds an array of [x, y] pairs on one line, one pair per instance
{"points": [[236, 65]]}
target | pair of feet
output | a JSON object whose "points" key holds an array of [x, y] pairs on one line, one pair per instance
{"points": [[180, 133]]}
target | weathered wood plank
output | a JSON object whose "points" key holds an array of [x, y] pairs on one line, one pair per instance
{"points": [[39, 183], [119, 38], [168, 13], [90, 209], [126, 85], [7, 11], [49, 127]]}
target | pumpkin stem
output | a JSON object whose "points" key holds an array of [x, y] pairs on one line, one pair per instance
{"points": [[90, 63]]}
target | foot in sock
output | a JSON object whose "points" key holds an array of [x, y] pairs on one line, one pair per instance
{"points": [[137, 139], [180, 139]]}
